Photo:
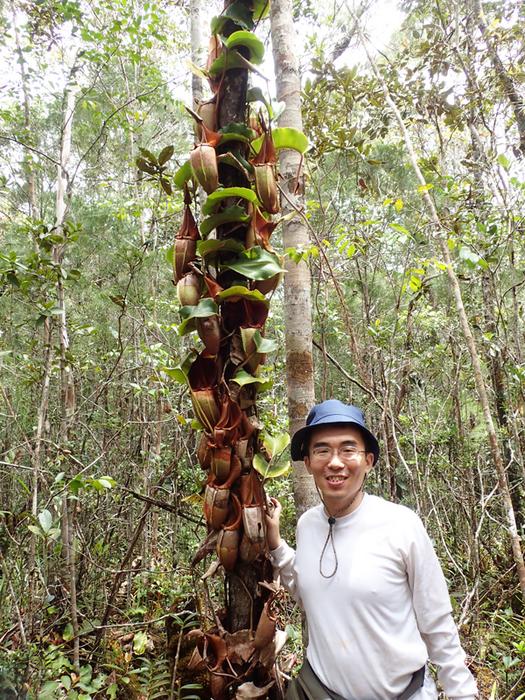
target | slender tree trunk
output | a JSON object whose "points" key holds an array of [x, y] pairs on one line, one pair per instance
{"points": [[197, 48], [28, 167], [297, 283], [68, 398], [47, 333], [505, 79], [497, 377], [441, 238], [37, 462]]}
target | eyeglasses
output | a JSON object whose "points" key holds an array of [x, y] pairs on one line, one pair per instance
{"points": [[347, 453]]}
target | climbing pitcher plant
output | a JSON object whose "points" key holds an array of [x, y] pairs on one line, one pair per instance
{"points": [[226, 270]]}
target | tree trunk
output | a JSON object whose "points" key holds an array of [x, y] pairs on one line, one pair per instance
{"points": [[297, 284], [68, 398], [37, 462]]}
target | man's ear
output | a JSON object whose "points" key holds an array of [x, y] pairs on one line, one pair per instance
{"points": [[307, 463], [369, 461]]}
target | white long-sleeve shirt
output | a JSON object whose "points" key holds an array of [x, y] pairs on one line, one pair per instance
{"points": [[384, 612]]}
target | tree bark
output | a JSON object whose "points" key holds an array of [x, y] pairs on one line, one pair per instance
{"points": [[297, 282]]}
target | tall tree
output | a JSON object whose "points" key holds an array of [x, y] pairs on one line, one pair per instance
{"points": [[297, 283]]}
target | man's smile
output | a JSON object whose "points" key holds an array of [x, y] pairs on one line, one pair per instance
{"points": [[336, 479]]}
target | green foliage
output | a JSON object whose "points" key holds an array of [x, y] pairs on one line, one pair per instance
{"points": [[507, 649]]}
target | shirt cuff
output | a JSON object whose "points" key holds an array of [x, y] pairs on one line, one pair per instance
{"points": [[281, 554]]}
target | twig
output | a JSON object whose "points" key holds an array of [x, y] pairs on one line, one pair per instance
{"points": [[161, 504], [5, 572], [30, 148], [345, 373]]}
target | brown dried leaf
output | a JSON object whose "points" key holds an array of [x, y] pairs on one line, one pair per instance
{"points": [[211, 570], [268, 655], [196, 662], [218, 648], [207, 547], [240, 646], [246, 691]]}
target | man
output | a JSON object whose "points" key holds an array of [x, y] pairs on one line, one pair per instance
{"points": [[367, 577]]}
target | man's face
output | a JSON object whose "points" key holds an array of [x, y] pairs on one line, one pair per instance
{"points": [[338, 462]]}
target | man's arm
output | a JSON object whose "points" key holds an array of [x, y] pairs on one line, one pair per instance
{"points": [[282, 555], [433, 611]]}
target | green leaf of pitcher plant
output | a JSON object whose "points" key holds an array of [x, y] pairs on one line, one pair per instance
{"points": [[182, 175], [256, 264], [213, 246], [216, 197], [264, 345], [229, 215], [268, 470], [244, 292], [285, 137], [206, 307]]}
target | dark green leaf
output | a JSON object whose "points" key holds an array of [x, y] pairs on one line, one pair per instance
{"points": [[231, 214], [166, 154], [166, 186], [206, 307], [255, 94], [256, 264], [261, 8], [148, 155], [145, 166], [237, 130], [239, 291], [238, 11], [205, 248], [237, 162], [215, 198]]}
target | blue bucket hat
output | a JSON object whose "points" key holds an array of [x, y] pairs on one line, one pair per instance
{"points": [[332, 412]]}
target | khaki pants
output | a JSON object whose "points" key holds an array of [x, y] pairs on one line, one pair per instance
{"points": [[306, 686]]}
